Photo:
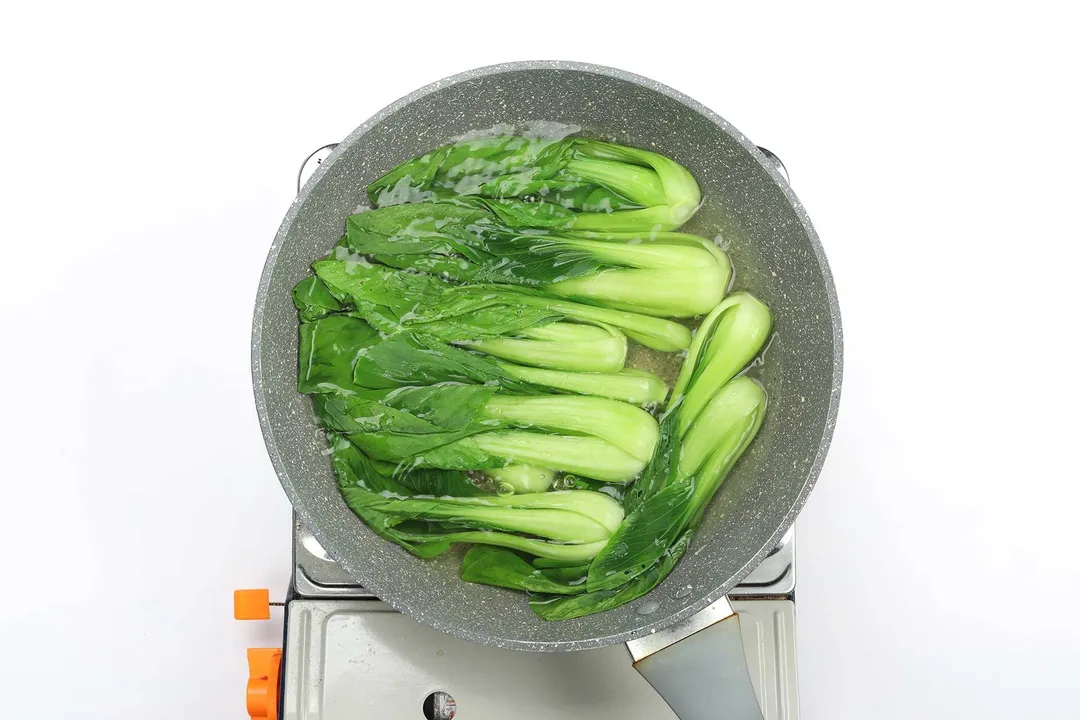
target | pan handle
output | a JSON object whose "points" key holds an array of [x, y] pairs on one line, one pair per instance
{"points": [[311, 163], [699, 667], [777, 164]]}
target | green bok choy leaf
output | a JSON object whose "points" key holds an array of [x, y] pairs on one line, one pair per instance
{"points": [[569, 525], [353, 469], [461, 427], [709, 451], [710, 421], [344, 354], [503, 568], [555, 606], [394, 301], [426, 511], [727, 340], [665, 277], [574, 183]]}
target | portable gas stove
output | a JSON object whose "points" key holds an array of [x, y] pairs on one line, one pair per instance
{"points": [[347, 655]]}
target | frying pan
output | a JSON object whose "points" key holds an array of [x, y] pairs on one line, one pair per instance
{"points": [[776, 254]]}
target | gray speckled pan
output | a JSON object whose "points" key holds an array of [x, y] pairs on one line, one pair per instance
{"points": [[776, 254]]}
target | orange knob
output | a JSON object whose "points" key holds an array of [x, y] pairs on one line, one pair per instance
{"points": [[264, 669], [251, 604]]}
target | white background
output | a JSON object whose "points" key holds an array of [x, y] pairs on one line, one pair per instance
{"points": [[149, 153]]}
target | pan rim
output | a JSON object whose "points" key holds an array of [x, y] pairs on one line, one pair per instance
{"points": [[721, 589]]}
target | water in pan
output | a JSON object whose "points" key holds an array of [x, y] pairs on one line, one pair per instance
{"points": [[541, 129]]}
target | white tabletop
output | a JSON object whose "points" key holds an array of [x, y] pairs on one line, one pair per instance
{"points": [[149, 154]]}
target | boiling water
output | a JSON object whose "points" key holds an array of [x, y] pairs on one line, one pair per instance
{"points": [[664, 364]]}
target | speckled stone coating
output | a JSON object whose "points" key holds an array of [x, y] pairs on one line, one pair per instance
{"points": [[776, 254]]}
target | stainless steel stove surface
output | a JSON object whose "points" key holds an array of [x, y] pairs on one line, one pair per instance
{"points": [[348, 656]]}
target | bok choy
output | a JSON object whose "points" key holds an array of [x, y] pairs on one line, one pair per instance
{"points": [[676, 275], [569, 525], [654, 536], [394, 301], [496, 566], [574, 183], [727, 339], [426, 511], [710, 421], [467, 427], [343, 354]]}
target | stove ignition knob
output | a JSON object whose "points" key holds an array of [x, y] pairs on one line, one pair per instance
{"points": [[264, 670], [251, 604], [264, 664]]}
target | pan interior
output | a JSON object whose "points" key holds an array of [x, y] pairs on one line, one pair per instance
{"points": [[776, 256]]}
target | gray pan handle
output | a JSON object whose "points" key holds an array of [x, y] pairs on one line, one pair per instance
{"points": [[702, 673]]}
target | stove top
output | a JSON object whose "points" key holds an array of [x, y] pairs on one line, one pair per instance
{"points": [[349, 655]]}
